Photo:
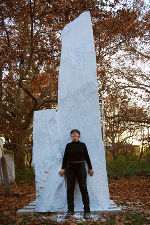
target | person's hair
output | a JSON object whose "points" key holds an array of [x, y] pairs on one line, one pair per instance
{"points": [[74, 130]]}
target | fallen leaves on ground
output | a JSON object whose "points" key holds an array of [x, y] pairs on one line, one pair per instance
{"points": [[133, 194], [10, 204]]}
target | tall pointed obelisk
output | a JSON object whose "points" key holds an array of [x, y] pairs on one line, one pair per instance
{"points": [[78, 104], [78, 107]]}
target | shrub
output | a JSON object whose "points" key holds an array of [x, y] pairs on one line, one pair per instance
{"points": [[127, 168], [27, 174]]}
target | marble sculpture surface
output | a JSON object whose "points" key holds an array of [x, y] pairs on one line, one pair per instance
{"points": [[78, 107]]}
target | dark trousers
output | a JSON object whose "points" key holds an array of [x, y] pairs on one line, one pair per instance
{"points": [[73, 171]]}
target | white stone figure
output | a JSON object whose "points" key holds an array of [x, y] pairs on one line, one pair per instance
{"points": [[9, 155], [78, 108], [1, 146]]}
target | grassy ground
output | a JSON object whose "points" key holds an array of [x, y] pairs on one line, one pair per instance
{"points": [[121, 167]]}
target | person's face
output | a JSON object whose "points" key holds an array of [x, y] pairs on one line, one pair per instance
{"points": [[75, 136]]}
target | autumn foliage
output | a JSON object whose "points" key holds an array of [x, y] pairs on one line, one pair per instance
{"points": [[30, 57]]}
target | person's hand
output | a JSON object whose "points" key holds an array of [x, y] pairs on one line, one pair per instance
{"points": [[91, 172], [61, 172]]}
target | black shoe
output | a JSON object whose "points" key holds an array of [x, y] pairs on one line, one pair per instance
{"points": [[87, 215], [68, 214]]}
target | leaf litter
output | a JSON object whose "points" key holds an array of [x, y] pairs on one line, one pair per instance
{"points": [[132, 194]]}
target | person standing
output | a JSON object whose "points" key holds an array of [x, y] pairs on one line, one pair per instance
{"points": [[73, 166]]}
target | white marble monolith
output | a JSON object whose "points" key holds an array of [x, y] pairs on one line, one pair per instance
{"points": [[78, 107]]}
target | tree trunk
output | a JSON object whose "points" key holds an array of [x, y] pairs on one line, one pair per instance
{"points": [[114, 155], [19, 160], [0, 89], [114, 151], [19, 153], [5, 176], [141, 153]]}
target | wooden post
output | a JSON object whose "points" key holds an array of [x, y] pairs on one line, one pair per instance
{"points": [[5, 176]]}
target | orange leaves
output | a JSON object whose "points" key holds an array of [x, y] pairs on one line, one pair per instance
{"points": [[10, 204], [118, 220], [132, 194]]}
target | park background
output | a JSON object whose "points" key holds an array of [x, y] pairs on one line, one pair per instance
{"points": [[29, 68]]}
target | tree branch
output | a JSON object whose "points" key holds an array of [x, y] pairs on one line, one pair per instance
{"points": [[140, 53], [127, 119], [36, 107]]}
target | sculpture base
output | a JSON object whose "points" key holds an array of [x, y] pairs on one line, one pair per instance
{"points": [[30, 209]]}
